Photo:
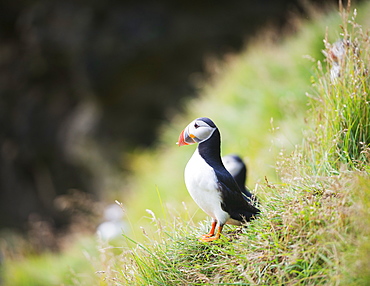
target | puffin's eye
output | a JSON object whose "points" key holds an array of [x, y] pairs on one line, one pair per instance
{"points": [[196, 125]]}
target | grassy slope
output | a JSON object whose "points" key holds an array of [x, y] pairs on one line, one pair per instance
{"points": [[312, 229], [308, 233]]}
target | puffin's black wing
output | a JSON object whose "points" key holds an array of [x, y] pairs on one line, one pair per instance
{"points": [[249, 197], [247, 194], [233, 201]]}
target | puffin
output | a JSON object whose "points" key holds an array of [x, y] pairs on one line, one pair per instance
{"points": [[237, 168], [210, 185]]}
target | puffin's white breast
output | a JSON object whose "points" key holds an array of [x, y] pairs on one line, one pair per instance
{"points": [[201, 182]]}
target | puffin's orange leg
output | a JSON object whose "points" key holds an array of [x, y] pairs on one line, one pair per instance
{"points": [[212, 231], [212, 238]]}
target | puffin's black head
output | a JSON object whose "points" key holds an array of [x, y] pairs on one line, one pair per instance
{"points": [[197, 131], [208, 121]]}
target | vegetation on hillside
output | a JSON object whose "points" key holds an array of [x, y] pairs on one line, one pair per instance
{"points": [[315, 195]]}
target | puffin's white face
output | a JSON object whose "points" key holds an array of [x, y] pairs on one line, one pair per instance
{"points": [[196, 132]]}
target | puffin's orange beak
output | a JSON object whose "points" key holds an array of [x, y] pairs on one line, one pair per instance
{"points": [[185, 138], [181, 141]]}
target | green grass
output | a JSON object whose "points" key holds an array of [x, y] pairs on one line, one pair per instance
{"points": [[302, 238], [74, 267], [314, 227], [341, 108]]}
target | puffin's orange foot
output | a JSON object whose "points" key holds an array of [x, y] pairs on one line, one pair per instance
{"points": [[207, 238], [211, 235], [211, 232], [206, 235]]}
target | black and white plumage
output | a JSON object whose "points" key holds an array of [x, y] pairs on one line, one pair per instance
{"points": [[237, 168], [209, 183]]}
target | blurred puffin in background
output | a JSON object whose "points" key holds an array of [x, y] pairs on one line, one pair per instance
{"points": [[209, 183], [237, 168], [113, 225]]}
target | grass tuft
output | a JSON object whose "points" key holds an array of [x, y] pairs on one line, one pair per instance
{"points": [[340, 110]]}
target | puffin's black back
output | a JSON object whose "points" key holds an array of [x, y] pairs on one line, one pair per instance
{"points": [[232, 198]]}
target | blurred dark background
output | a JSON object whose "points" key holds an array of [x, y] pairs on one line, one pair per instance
{"points": [[84, 82]]}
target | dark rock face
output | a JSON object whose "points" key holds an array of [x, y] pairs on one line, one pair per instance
{"points": [[101, 74]]}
